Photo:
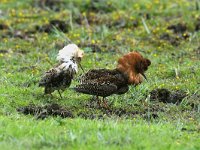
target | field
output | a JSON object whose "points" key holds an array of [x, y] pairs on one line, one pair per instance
{"points": [[161, 113]]}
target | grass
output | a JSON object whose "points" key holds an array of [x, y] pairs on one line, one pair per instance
{"points": [[120, 27], [89, 134]]}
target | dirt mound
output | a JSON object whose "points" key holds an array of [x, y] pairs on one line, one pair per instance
{"points": [[178, 28], [3, 51], [59, 24], [45, 111], [197, 25], [55, 5], [180, 33], [176, 39], [99, 6], [167, 96], [3, 26], [171, 39], [90, 110]]}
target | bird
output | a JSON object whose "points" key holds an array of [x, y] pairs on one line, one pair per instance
{"points": [[61, 75], [105, 82]]}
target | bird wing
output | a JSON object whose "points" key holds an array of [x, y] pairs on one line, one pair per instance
{"points": [[95, 74], [95, 88], [49, 76], [62, 74], [102, 85]]}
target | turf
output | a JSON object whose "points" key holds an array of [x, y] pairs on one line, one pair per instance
{"points": [[164, 31]]}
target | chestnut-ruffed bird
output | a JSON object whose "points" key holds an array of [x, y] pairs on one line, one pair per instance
{"points": [[60, 77], [105, 82]]}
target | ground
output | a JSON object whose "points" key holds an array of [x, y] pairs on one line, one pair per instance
{"points": [[161, 113]]}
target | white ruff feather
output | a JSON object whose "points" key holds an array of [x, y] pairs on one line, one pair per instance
{"points": [[67, 52], [69, 66]]}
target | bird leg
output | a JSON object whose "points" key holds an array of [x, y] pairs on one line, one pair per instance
{"points": [[105, 103], [49, 94], [81, 68], [60, 94], [98, 101]]}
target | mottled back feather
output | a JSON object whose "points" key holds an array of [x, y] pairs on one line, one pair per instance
{"points": [[102, 82]]}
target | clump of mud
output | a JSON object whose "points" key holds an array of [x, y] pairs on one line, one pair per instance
{"points": [[3, 27], [178, 28], [171, 39], [3, 51], [197, 25], [59, 24], [179, 33], [42, 112], [167, 96], [28, 35], [174, 40], [55, 5], [99, 6]]}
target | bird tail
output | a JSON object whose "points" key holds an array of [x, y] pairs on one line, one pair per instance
{"points": [[72, 88], [41, 84], [76, 89]]}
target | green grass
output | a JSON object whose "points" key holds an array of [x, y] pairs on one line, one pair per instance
{"points": [[173, 67], [89, 134]]}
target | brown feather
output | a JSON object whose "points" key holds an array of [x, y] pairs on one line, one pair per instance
{"points": [[130, 65], [103, 82]]}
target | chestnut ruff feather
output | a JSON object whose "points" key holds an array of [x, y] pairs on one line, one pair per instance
{"points": [[133, 65]]}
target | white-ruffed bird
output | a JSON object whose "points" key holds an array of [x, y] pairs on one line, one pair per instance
{"points": [[60, 77]]}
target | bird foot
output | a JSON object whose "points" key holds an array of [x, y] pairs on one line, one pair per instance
{"points": [[105, 104], [101, 103]]}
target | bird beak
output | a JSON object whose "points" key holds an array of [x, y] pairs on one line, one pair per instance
{"points": [[144, 76], [80, 54], [81, 67]]}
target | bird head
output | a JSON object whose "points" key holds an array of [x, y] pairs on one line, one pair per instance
{"points": [[70, 52], [133, 65]]}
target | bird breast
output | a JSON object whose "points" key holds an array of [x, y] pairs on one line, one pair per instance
{"points": [[69, 66]]}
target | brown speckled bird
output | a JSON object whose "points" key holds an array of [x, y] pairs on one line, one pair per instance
{"points": [[105, 82], [60, 77]]}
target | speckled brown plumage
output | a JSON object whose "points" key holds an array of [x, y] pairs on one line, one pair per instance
{"points": [[105, 82], [57, 78]]}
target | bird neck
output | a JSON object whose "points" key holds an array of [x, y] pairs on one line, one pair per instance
{"points": [[68, 60], [69, 66], [133, 76], [73, 59]]}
